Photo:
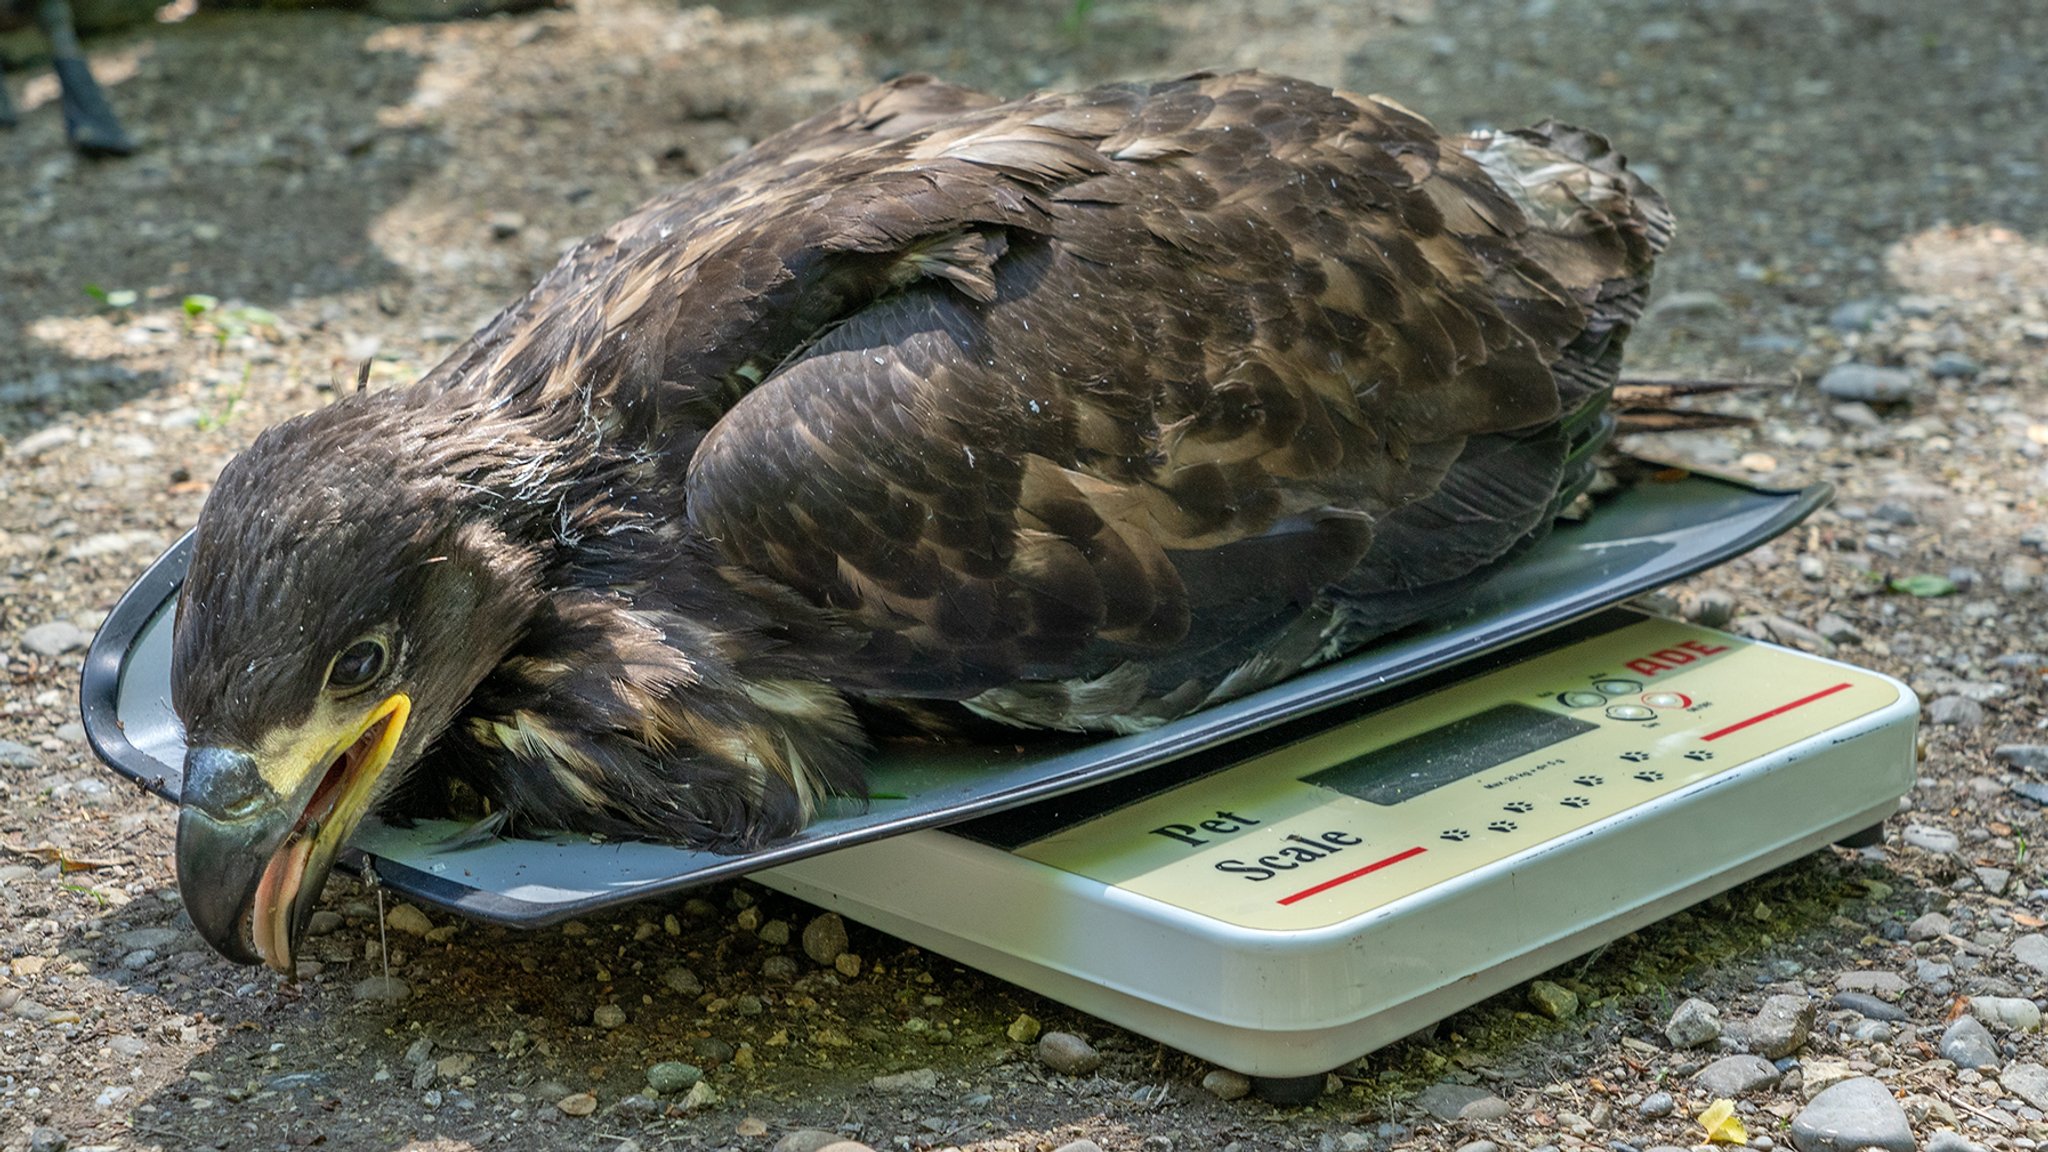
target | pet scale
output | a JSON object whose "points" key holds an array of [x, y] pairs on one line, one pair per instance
{"points": [[1283, 882]]}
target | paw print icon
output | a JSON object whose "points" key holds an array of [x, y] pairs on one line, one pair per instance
{"points": [[1575, 801], [1699, 754], [1454, 835], [1501, 826], [1635, 757], [1518, 806], [1649, 777], [1589, 781]]}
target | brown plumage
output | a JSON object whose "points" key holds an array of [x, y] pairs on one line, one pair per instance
{"points": [[1081, 411]]}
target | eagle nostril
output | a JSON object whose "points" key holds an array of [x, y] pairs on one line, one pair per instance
{"points": [[224, 783]]}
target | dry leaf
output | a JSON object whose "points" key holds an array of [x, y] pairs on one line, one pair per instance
{"points": [[51, 854], [1721, 1125]]}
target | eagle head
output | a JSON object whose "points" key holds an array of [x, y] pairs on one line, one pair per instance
{"points": [[342, 603]]}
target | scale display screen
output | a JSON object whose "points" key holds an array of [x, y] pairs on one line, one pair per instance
{"points": [[1440, 756]]}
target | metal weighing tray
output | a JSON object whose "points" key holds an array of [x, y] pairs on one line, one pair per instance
{"points": [[1646, 537]]}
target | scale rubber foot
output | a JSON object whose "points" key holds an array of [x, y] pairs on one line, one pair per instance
{"points": [[1288, 1091], [1870, 837]]}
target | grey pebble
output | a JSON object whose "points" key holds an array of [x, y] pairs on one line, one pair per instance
{"points": [[1952, 366], [1949, 1140], [1479, 1146], [672, 1076], [1967, 1044], [683, 981], [778, 968], [2007, 1012], [1867, 1006], [2032, 757], [1694, 1024], [1657, 1105], [1079, 1146], [915, 1080], [1712, 607], [2032, 950], [47, 1140], [157, 938], [1837, 630], [2029, 1082], [55, 638], [1931, 926], [775, 932], [383, 989], [1781, 1026], [1450, 1102], [637, 1106], [1227, 1085], [1855, 315], [1854, 1114], [825, 938], [1067, 1053], [1955, 712], [14, 755], [1734, 1075], [1871, 1032], [407, 918], [1868, 383], [1928, 838], [324, 921], [417, 1052], [1994, 880], [608, 1016]]}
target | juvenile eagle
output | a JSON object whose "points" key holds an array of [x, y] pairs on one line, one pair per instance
{"points": [[1079, 411]]}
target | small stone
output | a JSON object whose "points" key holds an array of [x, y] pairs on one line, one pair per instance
{"points": [[1886, 985], [408, 919], [1079, 1146], [1479, 1146], [47, 1140], [2028, 1081], [1553, 1000], [846, 964], [824, 939], [1931, 926], [779, 968], [639, 1106], [1855, 315], [1733, 1076], [1955, 712], [55, 638], [1953, 366], [2032, 757], [1949, 1140], [1967, 1044], [1695, 1023], [1024, 1029], [1994, 880], [1817, 1076], [1837, 630], [506, 225], [1928, 838], [1853, 1115], [1656, 1106], [14, 755], [383, 989], [323, 922], [1067, 1053], [1867, 1006], [1452, 1102], [2006, 1012], [672, 1076], [807, 1140], [1781, 1026], [1868, 383], [1711, 607], [35, 444], [915, 1080], [1871, 1032], [416, 1053], [700, 1095], [608, 1016], [775, 933], [682, 980], [1227, 1085], [577, 1104], [2032, 950]]}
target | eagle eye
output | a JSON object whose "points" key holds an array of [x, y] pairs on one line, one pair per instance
{"points": [[358, 664]]}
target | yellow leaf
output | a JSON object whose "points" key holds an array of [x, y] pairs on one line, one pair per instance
{"points": [[1721, 1125]]}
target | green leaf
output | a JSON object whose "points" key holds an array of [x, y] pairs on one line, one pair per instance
{"points": [[1924, 584], [200, 302], [96, 292]]}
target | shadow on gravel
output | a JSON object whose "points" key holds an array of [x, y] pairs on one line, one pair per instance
{"points": [[264, 163]]}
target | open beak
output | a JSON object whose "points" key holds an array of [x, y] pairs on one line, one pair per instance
{"points": [[257, 839]]}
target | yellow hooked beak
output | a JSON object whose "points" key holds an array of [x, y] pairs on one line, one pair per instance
{"points": [[258, 833]]}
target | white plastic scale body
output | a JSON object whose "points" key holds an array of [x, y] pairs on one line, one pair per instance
{"points": [[1289, 912]]}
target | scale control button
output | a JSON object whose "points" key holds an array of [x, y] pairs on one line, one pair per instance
{"points": [[1518, 806], [1575, 801], [1631, 712], [1667, 700], [1501, 826], [1635, 757], [1581, 699], [1618, 687], [1699, 754], [1454, 835], [1589, 781], [1650, 777]]}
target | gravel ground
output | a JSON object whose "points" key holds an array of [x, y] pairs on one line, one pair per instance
{"points": [[1859, 183]]}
